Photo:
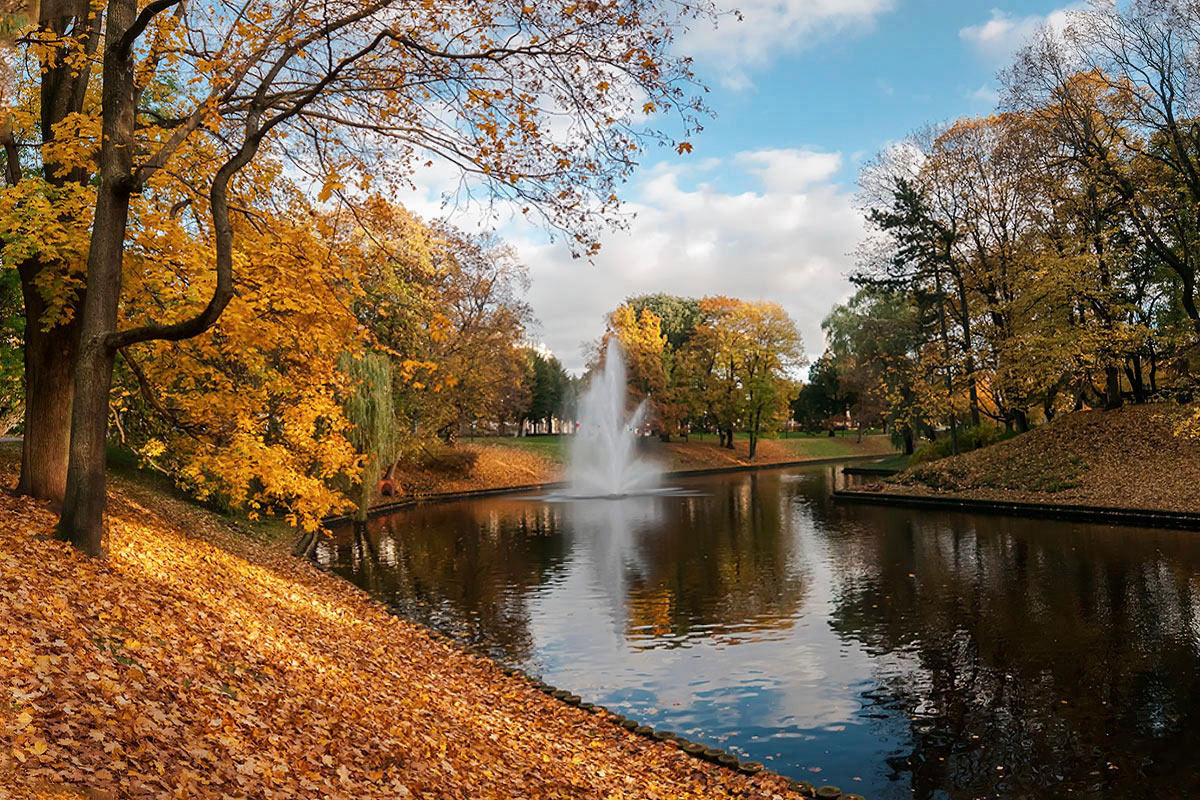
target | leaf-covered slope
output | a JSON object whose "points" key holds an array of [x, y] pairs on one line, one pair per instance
{"points": [[195, 663], [1134, 457]]}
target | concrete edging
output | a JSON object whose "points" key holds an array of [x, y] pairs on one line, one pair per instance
{"points": [[1147, 518]]}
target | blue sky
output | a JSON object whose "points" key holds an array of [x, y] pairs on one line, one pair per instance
{"points": [[763, 208]]}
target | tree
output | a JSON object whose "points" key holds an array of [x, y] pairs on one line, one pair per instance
{"points": [[49, 190], [875, 340], [769, 350], [476, 322], [647, 361], [373, 415], [548, 384], [250, 414], [821, 397], [678, 316], [1117, 80], [337, 87], [709, 368], [737, 365]]}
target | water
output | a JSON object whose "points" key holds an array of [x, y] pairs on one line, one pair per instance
{"points": [[603, 456], [896, 653]]}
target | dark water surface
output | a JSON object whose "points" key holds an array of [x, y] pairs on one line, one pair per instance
{"points": [[893, 652]]}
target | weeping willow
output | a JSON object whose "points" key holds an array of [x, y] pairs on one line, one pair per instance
{"points": [[371, 410]]}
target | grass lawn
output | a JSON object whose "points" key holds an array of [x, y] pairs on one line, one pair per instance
{"points": [[553, 448], [898, 462], [835, 446]]}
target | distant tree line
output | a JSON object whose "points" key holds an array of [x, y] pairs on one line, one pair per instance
{"points": [[717, 364]]}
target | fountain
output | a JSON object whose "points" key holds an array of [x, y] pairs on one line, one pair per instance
{"points": [[603, 456]]}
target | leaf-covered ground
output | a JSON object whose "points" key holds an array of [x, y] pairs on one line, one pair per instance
{"points": [[194, 662], [1135, 457]]}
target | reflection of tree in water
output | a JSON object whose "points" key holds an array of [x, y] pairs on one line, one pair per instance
{"points": [[466, 569], [721, 565], [1067, 657]]}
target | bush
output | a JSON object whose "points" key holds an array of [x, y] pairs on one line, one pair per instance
{"points": [[969, 439]]}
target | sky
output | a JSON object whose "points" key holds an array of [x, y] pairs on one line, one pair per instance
{"points": [[763, 207]]}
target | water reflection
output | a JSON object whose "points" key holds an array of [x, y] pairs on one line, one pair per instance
{"points": [[924, 654]]}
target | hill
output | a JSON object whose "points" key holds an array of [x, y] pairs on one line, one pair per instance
{"points": [[1133, 457]]}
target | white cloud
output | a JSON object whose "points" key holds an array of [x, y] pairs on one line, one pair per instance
{"points": [[986, 95], [788, 240], [997, 39], [771, 27]]}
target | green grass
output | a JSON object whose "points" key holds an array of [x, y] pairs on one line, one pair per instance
{"points": [[898, 462], [835, 447], [553, 448]]}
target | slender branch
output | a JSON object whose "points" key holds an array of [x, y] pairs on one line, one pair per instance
{"points": [[142, 22], [147, 392]]}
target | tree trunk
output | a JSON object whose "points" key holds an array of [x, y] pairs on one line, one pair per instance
{"points": [[969, 363], [907, 435], [48, 392], [82, 520], [49, 354], [370, 479], [1137, 382], [729, 439], [1112, 388]]}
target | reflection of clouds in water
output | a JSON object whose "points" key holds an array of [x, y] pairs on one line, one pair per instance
{"points": [[608, 531]]}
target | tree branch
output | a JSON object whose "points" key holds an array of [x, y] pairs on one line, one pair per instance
{"points": [[142, 22]]}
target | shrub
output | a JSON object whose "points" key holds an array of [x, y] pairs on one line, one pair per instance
{"points": [[969, 439]]}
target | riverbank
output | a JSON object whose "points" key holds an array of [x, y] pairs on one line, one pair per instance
{"points": [[512, 462], [1130, 458], [195, 661]]}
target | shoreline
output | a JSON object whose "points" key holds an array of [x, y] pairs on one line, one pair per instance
{"points": [[410, 501], [1074, 512], [257, 639]]}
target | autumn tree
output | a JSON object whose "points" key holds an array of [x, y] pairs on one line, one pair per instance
{"points": [[45, 201], [541, 104], [250, 414], [1116, 90], [874, 344], [709, 368], [768, 351], [647, 360], [738, 366], [471, 334]]}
